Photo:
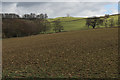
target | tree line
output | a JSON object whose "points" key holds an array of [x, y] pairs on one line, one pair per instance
{"points": [[28, 24], [25, 16], [100, 21]]}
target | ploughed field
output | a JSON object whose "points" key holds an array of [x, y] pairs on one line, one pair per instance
{"points": [[86, 53]]}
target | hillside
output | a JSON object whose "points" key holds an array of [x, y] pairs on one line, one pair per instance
{"points": [[76, 23], [69, 24], [86, 54]]}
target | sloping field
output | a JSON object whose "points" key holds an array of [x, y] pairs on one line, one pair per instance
{"points": [[87, 54], [65, 19], [77, 23]]}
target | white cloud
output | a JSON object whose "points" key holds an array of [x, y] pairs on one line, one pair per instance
{"points": [[0, 7], [9, 8], [60, 0], [56, 9]]}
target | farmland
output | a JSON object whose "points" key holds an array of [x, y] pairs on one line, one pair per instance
{"points": [[78, 23], [89, 53]]}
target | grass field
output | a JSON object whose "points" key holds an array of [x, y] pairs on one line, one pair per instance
{"points": [[89, 53], [78, 23]]}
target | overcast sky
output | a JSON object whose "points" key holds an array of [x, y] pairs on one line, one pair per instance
{"points": [[60, 9], [59, 0]]}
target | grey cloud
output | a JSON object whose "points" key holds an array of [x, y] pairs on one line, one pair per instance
{"points": [[0, 7], [56, 9], [60, 0], [29, 4]]}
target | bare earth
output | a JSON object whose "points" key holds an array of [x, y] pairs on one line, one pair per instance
{"points": [[86, 54]]}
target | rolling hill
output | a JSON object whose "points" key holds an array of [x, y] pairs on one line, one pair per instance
{"points": [[76, 23]]}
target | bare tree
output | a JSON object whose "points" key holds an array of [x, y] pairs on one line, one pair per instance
{"points": [[57, 26], [46, 16], [112, 22], [68, 15]]}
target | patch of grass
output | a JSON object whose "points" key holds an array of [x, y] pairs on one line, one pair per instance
{"points": [[76, 23]]}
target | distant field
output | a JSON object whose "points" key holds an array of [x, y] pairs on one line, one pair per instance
{"points": [[86, 53], [71, 23], [77, 23]]}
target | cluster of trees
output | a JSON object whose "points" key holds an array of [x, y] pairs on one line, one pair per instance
{"points": [[25, 16], [109, 22], [29, 24], [34, 16], [57, 26], [94, 21], [10, 15], [21, 27], [97, 21]]}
